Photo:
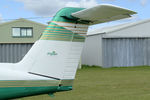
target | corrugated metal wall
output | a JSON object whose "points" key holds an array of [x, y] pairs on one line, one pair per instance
{"points": [[126, 52], [13, 53]]}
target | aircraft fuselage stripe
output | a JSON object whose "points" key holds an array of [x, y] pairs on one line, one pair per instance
{"points": [[74, 29]]}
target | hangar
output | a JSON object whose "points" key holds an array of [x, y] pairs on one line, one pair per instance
{"points": [[119, 46], [17, 37]]}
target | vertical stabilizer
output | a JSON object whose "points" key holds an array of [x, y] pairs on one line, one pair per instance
{"points": [[58, 51]]}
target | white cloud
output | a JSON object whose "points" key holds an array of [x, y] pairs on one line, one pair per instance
{"points": [[50, 7], [144, 2], [88, 3], [108, 0], [82, 3], [72, 4], [42, 7]]}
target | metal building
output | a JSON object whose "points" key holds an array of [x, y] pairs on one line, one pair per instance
{"points": [[17, 37], [119, 46]]}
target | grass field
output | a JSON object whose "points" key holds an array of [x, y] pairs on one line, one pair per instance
{"points": [[106, 84]]}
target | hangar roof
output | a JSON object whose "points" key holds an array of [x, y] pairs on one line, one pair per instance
{"points": [[116, 28]]}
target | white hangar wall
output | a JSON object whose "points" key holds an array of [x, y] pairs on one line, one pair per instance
{"points": [[120, 46], [92, 51]]}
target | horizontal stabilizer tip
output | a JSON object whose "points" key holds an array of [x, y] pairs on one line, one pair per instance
{"points": [[103, 13]]}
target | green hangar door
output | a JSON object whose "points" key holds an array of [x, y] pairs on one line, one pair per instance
{"points": [[120, 52]]}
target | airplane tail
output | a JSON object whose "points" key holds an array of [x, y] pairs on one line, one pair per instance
{"points": [[57, 53]]}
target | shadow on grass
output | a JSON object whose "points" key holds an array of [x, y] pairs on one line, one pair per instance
{"points": [[124, 67]]}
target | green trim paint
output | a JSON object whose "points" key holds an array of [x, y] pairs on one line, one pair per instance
{"points": [[61, 33], [22, 88], [15, 92]]}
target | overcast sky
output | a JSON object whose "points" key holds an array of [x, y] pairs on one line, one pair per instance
{"points": [[13, 9]]}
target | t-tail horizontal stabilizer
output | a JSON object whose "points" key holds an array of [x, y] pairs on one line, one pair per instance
{"points": [[103, 13]]}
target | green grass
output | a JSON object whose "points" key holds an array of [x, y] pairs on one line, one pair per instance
{"points": [[93, 83]]}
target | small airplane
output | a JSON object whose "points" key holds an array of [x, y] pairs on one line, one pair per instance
{"points": [[50, 65]]}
